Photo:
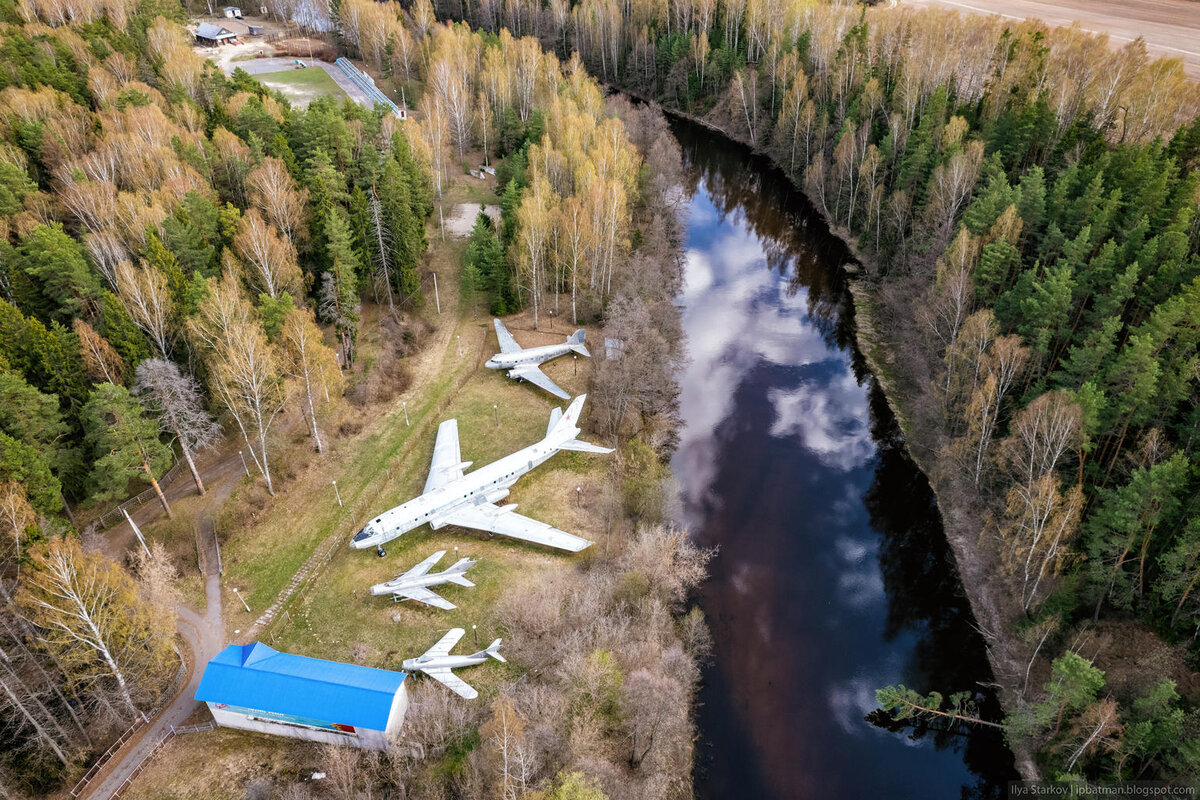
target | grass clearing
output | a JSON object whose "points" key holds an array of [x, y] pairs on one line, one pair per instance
{"points": [[301, 86], [265, 540]]}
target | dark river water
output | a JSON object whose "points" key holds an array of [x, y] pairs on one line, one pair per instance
{"points": [[833, 576]]}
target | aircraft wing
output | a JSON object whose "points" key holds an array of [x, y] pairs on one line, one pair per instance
{"points": [[424, 566], [447, 643], [447, 458], [488, 517], [422, 595], [538, 378], [455, 683], [507, 343]]}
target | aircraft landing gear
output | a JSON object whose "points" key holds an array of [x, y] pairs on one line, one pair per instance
{"points": [[379, 551]]}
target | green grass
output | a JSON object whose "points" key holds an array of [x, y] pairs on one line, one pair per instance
{"points": [[337, 612], [301, 85]]}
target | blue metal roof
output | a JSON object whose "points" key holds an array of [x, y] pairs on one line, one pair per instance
{"points": [[257, 677]]}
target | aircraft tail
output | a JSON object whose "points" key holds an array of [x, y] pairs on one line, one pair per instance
{"points": [[566, 426], [575, 342], [493, 650]]}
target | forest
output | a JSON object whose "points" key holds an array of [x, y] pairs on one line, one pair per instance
{"points": [[188, 261], [1033, 194]]}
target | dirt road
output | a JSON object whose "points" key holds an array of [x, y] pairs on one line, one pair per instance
{"points": [[1170, 27], [204, 634]]}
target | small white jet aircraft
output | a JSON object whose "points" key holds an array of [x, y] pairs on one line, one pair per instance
{"points": [[414, 584], [452, 498], [523, 364], [437, 662]]}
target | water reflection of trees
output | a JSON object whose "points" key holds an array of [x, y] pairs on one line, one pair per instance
{"points": [[925, 597]]}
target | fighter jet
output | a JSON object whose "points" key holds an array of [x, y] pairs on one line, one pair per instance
{"points": [[523, 364], [453, 498], [437, 662], [413, 585]]}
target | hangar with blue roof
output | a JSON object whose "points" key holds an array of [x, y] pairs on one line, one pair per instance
{"points": [[255, 688]]}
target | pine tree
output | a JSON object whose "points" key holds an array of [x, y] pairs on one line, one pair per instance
{"points": [[124, 443]]}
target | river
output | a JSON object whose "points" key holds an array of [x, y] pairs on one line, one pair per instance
{"points": [[833, 576]]}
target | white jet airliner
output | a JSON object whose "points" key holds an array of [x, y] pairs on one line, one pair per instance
{"points": [[453, 498], [437, 662], [522, 364]]}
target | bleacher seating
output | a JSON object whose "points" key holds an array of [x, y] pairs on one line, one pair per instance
{"points": [[364, 82]]}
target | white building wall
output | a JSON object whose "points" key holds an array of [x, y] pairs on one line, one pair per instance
{"points": [[363, 737], [399, 709]]}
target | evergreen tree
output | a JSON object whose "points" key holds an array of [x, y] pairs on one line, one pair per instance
{"points": [[124, 443]]}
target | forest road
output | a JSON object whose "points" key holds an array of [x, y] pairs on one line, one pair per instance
{"points": [[205, 636], [1169, 27]]}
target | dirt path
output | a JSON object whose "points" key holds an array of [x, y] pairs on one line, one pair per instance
{"points": [[1169, 27], [203, 633]]}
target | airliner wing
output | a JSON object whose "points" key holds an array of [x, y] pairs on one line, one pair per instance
{"points": [[424, 566], [422, 595], [447, 643], [538, 378], [447, 458], [455, 683], [507, 343], [488, 517]]}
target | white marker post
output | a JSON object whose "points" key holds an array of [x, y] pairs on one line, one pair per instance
{"points": [[475, 631], [339, 494], [496, 411], [138, 533], [239, 596], [406, 413], [436, 298], [243, 458]]}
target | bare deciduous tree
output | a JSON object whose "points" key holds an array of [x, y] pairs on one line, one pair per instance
{"points": [[175, 399], [144, 293]]}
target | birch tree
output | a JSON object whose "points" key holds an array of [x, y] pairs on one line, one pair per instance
{"points": [[275, 193], [144, 293], [307, 357], [534, 227], [271, 258], [244, 372], [87, 611]]}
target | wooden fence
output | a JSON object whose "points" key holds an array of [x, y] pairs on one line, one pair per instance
{"points": [[114, 515]]}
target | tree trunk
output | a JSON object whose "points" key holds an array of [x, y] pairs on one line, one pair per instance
{"points": [[187, 456], [113, 667], [157, 489], [1191, 585], [312, 411], [40, 729]]}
